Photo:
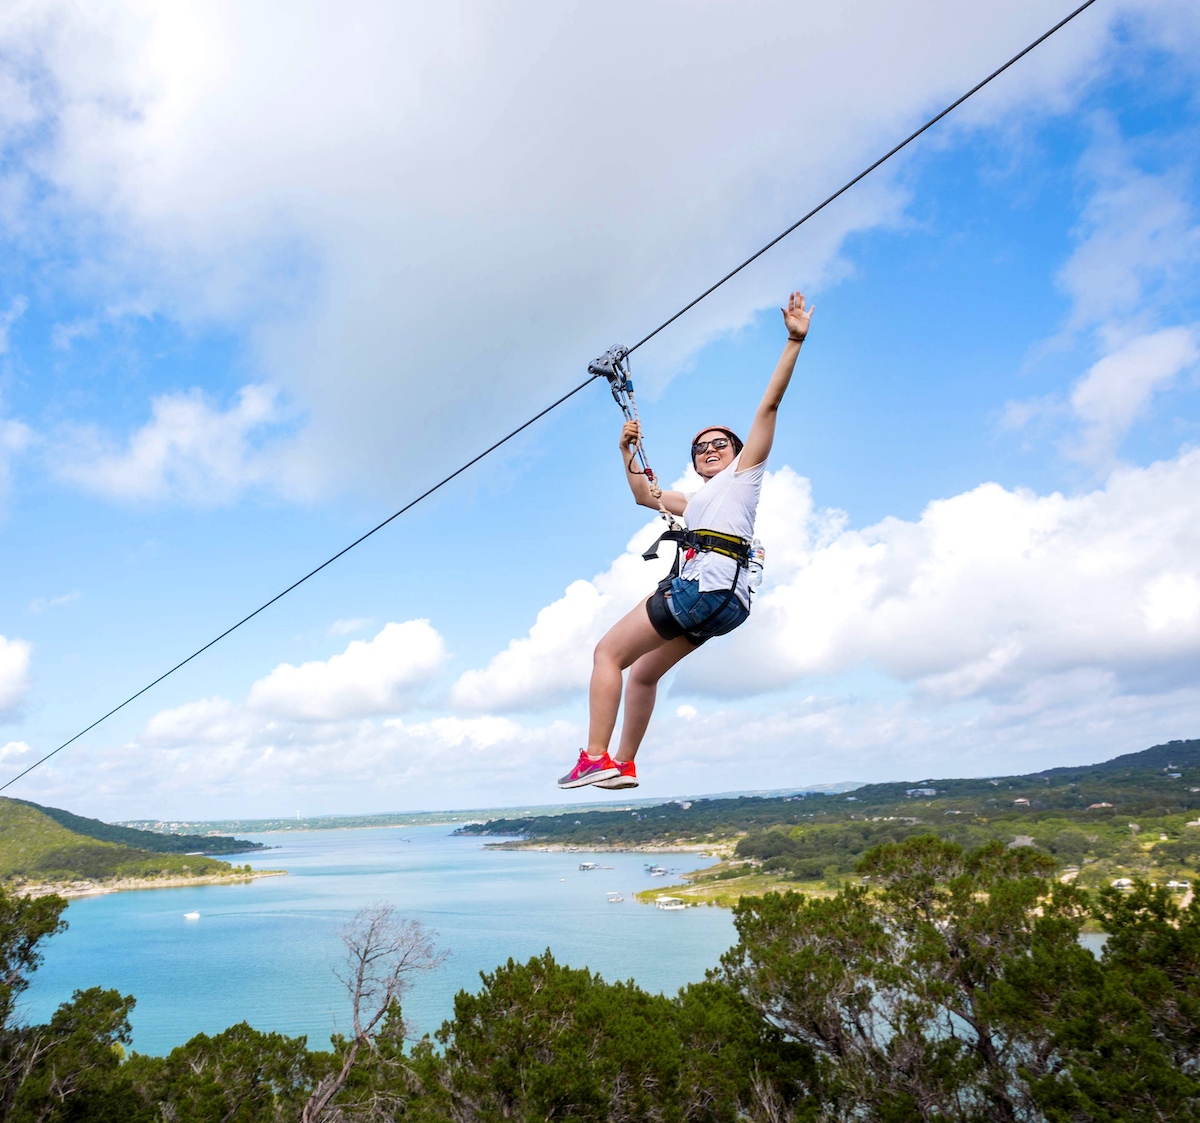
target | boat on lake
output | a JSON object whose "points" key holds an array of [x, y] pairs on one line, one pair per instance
{"points": [[191, 916], [670, 904], [615, 898]]}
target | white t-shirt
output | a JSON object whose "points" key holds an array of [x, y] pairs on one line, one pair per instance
{"points": [[726, 503]]}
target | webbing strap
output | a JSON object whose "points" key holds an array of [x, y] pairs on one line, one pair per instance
{"points": [[712, 541]]}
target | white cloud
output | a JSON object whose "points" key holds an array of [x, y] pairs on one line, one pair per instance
{"points": [[1078, 717], [1137, 238], [1172, 602], [231, 758], [1019, 414], [209, 721], [40, 604], [336, 199], [13, 749], [1137, 246], [189, 451], [15, 437], [1117, 390], [330, 727], [14, 673], [372, 677], [16, 309], [316, 703], [348, 627], [986, 593]]}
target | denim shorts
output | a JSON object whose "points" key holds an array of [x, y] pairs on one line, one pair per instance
{"points": [[678, 608]]}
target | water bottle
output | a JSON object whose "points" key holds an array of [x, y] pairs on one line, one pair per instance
{"points": [[755, 567]]}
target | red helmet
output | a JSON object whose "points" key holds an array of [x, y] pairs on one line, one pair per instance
{"points": [[737, 441]]}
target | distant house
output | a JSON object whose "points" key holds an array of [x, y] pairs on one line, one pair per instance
{"points": [[1021, 802], [921, 793], [1179, 883], [1123, 883], [1098, 806]]}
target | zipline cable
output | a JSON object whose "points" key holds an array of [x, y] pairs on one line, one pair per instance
{"points": [[570, 394], [863, 174]]}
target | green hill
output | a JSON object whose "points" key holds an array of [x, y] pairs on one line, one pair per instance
{"points": [[153, 841], [1164, 779], [35, 849]]}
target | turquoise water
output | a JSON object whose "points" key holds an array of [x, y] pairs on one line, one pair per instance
{"points": [[264, 952]]}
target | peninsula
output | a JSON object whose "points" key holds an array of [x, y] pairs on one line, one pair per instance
{"points": [[49, 850]]}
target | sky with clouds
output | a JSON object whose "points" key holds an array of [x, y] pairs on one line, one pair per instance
{"points": [[270, 270]]}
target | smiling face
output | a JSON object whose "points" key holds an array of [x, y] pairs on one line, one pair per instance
{"points": [[712, 460]]}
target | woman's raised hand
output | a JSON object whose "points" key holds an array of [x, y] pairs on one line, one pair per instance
{"points": [[796, 317], [631, 433]]}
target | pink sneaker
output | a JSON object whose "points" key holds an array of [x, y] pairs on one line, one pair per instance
{"points": [[589, 771], [626, 776]]}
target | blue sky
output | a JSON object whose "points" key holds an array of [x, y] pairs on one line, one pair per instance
{"points": [[258, 290]]}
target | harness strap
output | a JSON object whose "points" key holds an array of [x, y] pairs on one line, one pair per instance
{"points": [[713, 541]]}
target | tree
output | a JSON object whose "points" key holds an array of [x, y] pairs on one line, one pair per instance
{"points": [[383, 951], [548, 1042], [240, 1075], [71, 1066], [1116, 1039], [24, 923], [735, 1065], [892, 986]]}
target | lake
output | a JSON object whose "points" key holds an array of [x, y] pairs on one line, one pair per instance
{"points": [[264, 952]]}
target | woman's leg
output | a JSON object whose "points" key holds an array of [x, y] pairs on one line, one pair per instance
{"points": [[642, 689], [626, 641]]}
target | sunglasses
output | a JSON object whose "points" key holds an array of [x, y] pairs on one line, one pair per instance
{"points": [[717, 443]]}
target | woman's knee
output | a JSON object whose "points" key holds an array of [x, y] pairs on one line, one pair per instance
{"points": [[606, 655], [644, 677]]}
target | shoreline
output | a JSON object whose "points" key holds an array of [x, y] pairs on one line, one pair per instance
{"points": [[709, 849], [85, 888]]}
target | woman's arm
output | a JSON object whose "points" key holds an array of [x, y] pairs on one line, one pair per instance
{"points": [[762, 433], [673, 501]]}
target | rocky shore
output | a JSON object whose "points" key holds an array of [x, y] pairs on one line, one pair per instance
{"points": [[88, 888]]}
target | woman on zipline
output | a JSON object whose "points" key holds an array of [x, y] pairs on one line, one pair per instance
{"points": [[708, 595]]}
